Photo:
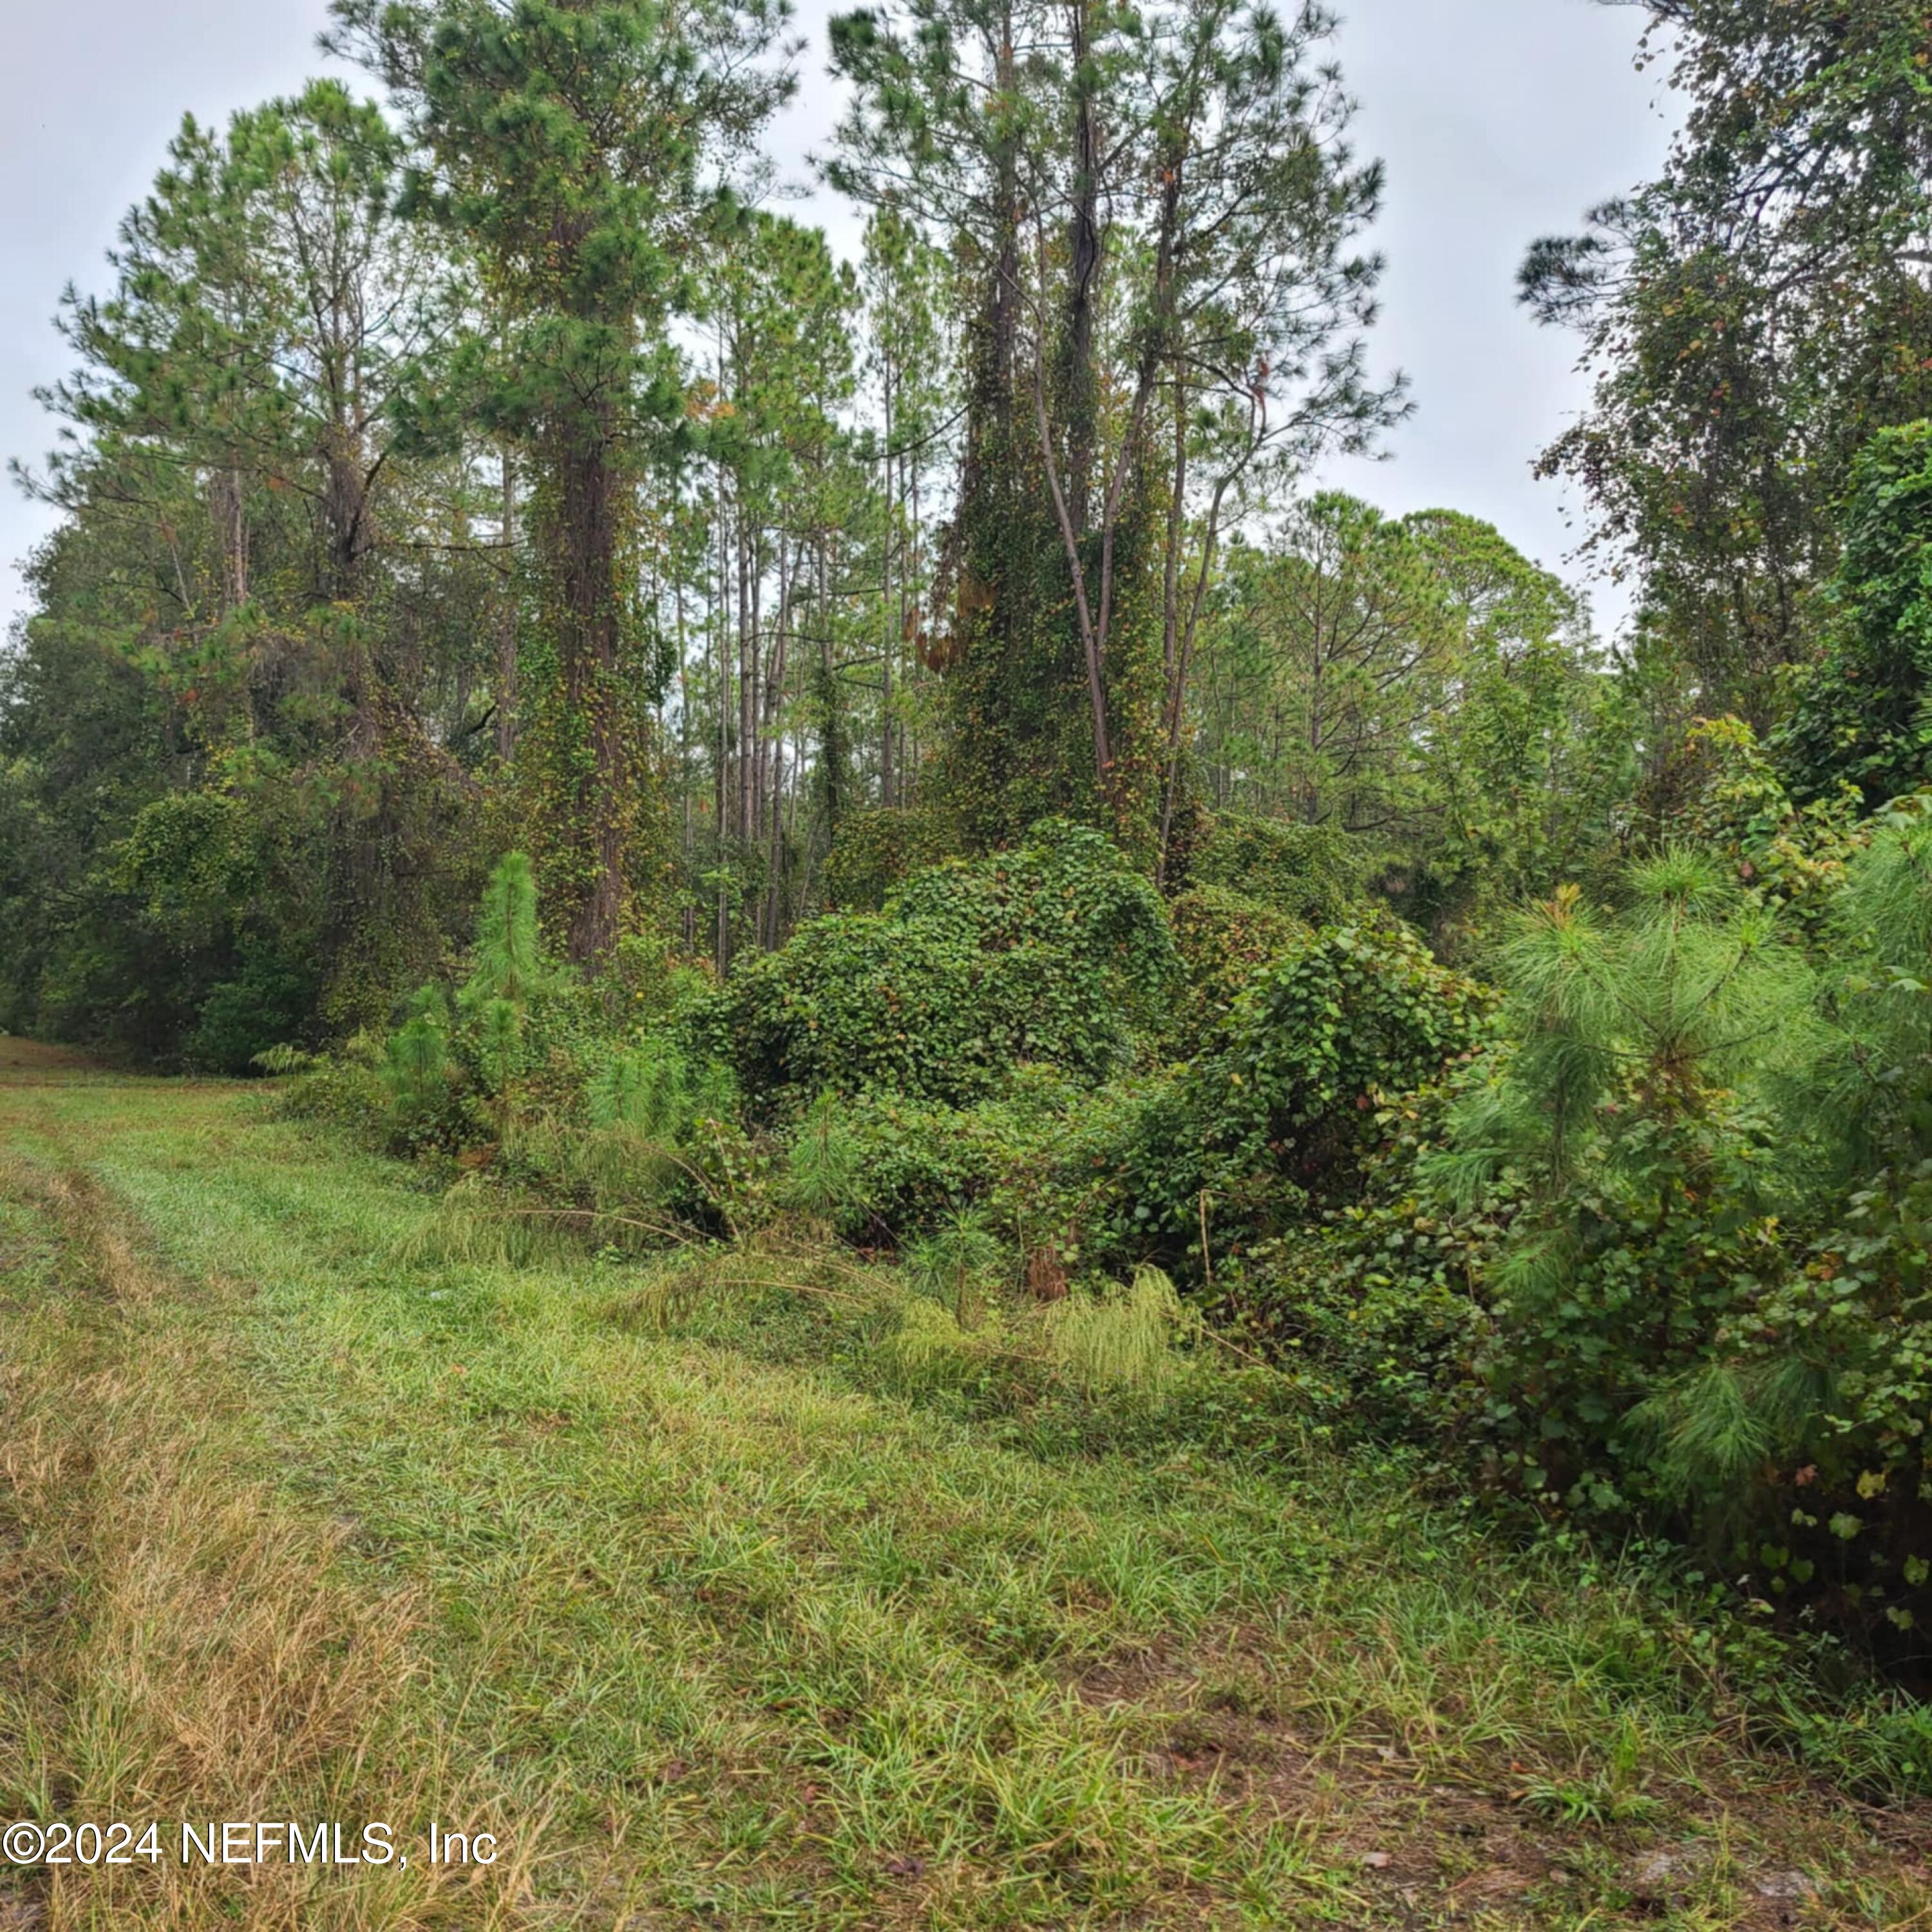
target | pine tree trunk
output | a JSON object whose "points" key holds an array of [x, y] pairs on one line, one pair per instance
{"points": [[589, 635], [506, 621]]}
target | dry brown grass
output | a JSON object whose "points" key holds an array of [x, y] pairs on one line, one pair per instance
{"points": [[187, 1648]]}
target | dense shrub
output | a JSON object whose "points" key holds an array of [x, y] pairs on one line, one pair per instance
{"points": [[857, 1001], [1223, 938], [1362, 1012], [1068, 891], [1277, 1116], [1057, 952], [267, 1002], [1793, 857], [1663, 1257], [925, 1162], [1861, 716], [876, 852], [1315, 873]]}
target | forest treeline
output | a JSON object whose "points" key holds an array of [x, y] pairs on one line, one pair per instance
{"points": [[931, 766]]}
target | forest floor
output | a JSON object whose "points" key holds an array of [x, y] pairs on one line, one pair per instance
{"points": [[299, 1522]]}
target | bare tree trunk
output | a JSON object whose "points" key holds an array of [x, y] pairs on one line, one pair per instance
{"points": [[724, 699], [1079, 386], [228, 492], [1090, 641], [908, 740], [748, 680], [892, 637], [775, 698], [834, 778], [689, 920]]}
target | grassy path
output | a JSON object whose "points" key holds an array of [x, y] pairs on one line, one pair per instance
{"points": [[297, 1524]]}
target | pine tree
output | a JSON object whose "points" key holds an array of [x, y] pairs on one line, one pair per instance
{"points": [[1164, 191], [509, 960], [565, 145]]}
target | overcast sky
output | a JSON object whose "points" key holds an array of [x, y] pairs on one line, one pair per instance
{"points": [[1500, 120]]}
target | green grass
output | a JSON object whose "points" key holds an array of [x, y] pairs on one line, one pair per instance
{"points": [[720, 1627]]}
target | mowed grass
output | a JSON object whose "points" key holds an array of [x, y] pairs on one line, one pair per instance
{"points": [[712, 1628]]}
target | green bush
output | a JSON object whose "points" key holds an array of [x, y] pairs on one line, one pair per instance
{"points": [[1277, 1118], [876, 852], [1057, 952], [267, 1003], [1664, 1257], [1315, 873], [924, 1162], [1361, 1012], [858, 1001], [1861, 715], [1224, 938]]}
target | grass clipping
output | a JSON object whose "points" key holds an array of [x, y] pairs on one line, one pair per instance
{"points": [[1129, 1336]]}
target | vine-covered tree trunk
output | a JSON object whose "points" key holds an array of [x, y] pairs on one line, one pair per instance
{"points": [[591, 766]]}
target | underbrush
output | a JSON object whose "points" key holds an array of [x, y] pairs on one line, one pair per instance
{"points": [[1135, 1372], [1625, 1252], [731, 1607]]}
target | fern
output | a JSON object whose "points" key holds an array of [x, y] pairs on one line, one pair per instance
{"points": [[284, 1059]]}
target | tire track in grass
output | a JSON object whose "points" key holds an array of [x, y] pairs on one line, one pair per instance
{"points": [[644, 1586], [179, 1644], [775, 1650]]}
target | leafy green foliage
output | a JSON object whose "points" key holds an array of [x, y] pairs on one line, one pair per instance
{"points": [[1314, 873], [1051, 952], [1223, 939], [419, 1070], [1861, 713], [1793, 855], [264, 1006], [562, 146], [409, 519], [1227, 272], [877, 852], [1426, 702], [1362, 1013], [1630, 1131], [1753, 316], [1334, 653], [1661, 1257], [1277, 1115]]}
